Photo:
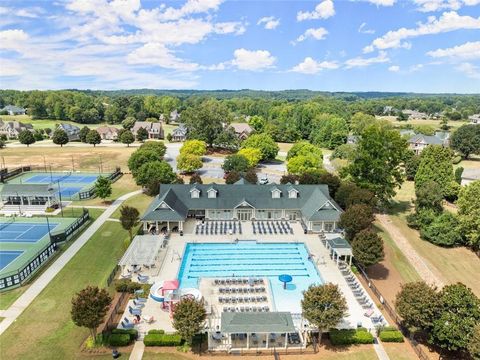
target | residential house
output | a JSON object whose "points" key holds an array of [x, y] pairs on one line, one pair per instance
{"points": [[11, 129], [154, 129], [108, 133], [474, 119], [311, 205], [419, 142], [414, 114], [14, 110], [470, 175], [73, 132], [242, 130], [179, 133]]}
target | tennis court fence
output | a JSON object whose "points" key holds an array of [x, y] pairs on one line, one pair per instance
{"points": [[90, 192], [6, 173], [67, 233]]}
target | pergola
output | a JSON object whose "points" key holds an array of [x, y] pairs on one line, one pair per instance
{"points": [[143, 250], [28, 195], [339, 247], [254, 331]]}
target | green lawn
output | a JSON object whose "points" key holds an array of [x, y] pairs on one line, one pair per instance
{"points": [[44, 330], [140, 202]]}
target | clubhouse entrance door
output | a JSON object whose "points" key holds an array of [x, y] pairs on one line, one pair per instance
{"points": [[244, 215]]}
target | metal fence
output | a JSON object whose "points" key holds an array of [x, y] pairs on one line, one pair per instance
{"points": [[5, 174], [90, 192], [111, 277], [67, 233], [392, 313]]}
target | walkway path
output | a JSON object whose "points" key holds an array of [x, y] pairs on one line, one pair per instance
{"points": [[423, 269], [138, 349], [43, 280], [380, 350]]}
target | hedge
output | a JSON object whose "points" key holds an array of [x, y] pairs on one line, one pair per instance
{"points": [[126, 285], [162, 340], [153, 331], [391, 336], [348, 337], [133, 333], [119, 339]]}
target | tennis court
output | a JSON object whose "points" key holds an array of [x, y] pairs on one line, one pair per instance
{"points": [[6, 257], [24, 232], [65, 178]]}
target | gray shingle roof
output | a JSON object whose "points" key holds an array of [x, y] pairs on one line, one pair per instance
{"points": [[27, 190], [268, 322], [427, 139], [311, 200]]}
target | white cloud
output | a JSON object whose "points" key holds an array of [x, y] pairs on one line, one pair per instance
{"points": [[10, 67], [437, 5], [233, 27], [317, 34], [449, 21], [270, 22], [323, 10], [311, 66], [467, 51], [254, 60], [362, 29], [394, 68], [362, 62], [415, 68], [382, 2], [190, 7], [159, 55], [472, 71], [14, 39]]}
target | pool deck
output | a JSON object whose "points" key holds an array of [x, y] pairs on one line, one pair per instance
{"points": [[171, 259]]}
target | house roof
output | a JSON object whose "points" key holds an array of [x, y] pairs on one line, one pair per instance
{"points": [[471, 174], [181, 130], [241, 128], [268, 322], [27, 189], [13, 108], [427, 139], [177, 200], [107, 129], [69, 127]]}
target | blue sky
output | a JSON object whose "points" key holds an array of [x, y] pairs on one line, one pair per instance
{"points": [[331, 45]]}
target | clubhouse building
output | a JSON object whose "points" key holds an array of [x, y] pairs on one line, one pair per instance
{"points": [[176, 204]]}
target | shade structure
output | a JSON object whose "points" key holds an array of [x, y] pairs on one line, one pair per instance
{"points": [[285, 278], [142, 251], [171, 285]]}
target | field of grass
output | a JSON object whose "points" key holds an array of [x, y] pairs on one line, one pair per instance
{"points": [[140, 202], [414, 122], [399, 351], [44, 330]]}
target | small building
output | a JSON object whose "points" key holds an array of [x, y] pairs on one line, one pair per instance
{"points": [[174, 116], [470, 175], [474, 119], [419, 142], [108, 133], [242, 130], [73, 132], [310, 205], [179, 134], [154, 129], [414, 114], [33, 198], [13, 110], [11, 129]]}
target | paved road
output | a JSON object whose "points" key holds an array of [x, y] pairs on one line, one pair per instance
{"points": [[43, 280]]}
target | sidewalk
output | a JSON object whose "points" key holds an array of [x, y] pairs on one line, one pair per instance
{"points": [[43, 280]]}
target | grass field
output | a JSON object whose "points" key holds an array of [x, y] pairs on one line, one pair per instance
{"points": [[44, 330], [140, 202], [399, 351], [415, 122]]}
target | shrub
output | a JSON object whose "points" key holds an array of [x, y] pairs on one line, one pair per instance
{"points": [[156, 331], [119, 340], [350, 336], [133, 333], [162, 340], [391, 336], [127, 285], [456, 159]]}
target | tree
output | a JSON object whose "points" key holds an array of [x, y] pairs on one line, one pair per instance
{"points": [[367, 248], [188, 318], [435, 165], [103, 188], [235, 162], [142, 134], [26, 137], [2, 143], [127, 137], [194, 147], [468, 204], [412, 162], [189, 163], [444, 230], [196, 179], [93, 137], [263, 142], [345, 152], [89, 307], [361, 196], [251, 176], [252, 155], [360, 122], [129, 219], [466, 140], [257, 123], [343, 193], [332, 181], [355, 219], [302, 164], [205, 121], [324, 306], [232, 177], [128, 122], [38, 135], [330, 132], [304, 148], [376, 166], [473, 346], [417, 304], [459, 312], [429, 195], [227, 139], [142, 156], [60, 137], [151, 174], [458, 174], [289, 179], [83, 134], [156, 146]]}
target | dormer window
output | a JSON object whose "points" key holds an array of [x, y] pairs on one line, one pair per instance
{"points": [[195, 193], [276, 193], [293, 194], [212, 193]]}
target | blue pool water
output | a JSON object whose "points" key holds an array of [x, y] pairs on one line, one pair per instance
{"points": [[252, 259]]}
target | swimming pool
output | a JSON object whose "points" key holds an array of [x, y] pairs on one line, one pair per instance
{"points": [[252, 259]]}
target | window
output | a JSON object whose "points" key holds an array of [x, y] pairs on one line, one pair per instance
{"points": [[293, 194], [212, 193], [195, 193], [328, 226], [276, 194]]}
